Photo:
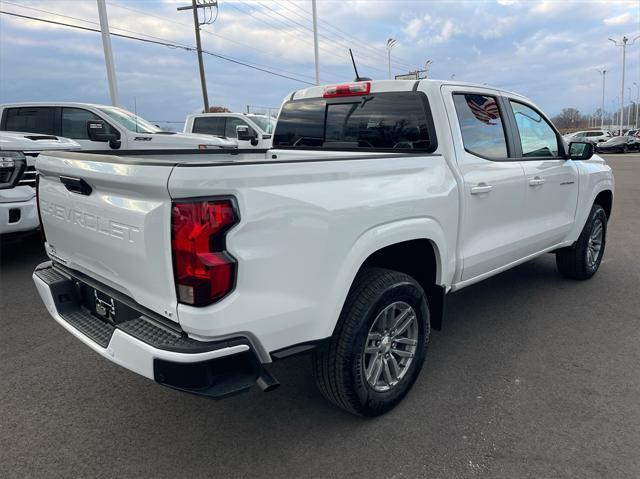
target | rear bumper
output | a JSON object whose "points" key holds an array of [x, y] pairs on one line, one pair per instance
{"points": [[18, 216], [156, 351]]}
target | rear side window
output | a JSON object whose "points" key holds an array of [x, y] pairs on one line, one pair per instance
{"points": [[211, 125], [381, 121], [31, 120], [481, 125], [594, 133]]}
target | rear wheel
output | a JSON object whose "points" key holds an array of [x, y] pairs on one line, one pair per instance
{"points": [[582, 260], [379, 345]]}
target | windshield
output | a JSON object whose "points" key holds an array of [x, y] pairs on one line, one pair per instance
{"points": [[129, 121], [266, 124]]}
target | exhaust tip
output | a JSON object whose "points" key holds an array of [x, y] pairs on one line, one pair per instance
{"points": [[267, 382]]}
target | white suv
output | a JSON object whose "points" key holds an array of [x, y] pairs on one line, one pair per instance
{"points": [[595, 136]]}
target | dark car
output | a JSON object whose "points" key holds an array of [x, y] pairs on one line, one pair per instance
{"points": [[619, 144]]}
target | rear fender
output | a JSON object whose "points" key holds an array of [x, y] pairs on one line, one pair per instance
{"points": [[380, 237]]}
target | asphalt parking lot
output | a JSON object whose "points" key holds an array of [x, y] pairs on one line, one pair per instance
{"points": [[533, 376]]}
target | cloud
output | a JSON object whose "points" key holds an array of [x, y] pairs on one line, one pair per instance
{"points": [[621, 19]]}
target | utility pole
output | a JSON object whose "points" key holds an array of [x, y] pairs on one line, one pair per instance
{"points": [[196, 23], [108, 53], [623, 44], [315, 40], [603, 73], [390, 44]]}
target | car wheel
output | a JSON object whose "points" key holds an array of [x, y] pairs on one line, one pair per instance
{"points": [[378, 348], [582, 260]]}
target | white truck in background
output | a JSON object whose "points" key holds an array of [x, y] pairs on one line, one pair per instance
{"points": [[249, 129], [18, 152], [376, 200], [100, 127]]}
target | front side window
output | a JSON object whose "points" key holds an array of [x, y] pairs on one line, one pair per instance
{"points": [[378, 121], [481, 125], [31, 120], [230, 128], [210, 125], [74, 123], [537, 137]]}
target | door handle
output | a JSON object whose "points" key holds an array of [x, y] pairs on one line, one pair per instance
{"points": [[536, 181], [76, 185], [481, 188]]}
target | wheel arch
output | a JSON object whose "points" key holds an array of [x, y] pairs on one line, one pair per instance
{"points": [[406, 246]]}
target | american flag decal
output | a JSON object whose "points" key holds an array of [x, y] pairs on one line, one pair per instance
{"points": [[484, 108]]}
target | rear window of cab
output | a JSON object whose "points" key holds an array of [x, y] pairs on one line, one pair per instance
{"points": [[381, 121]]}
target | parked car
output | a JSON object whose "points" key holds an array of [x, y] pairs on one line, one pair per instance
{"points": [[635, 133], [376, 199], [99, 127], [619, 144], [18, 152], [260, 127], [595, 136]]}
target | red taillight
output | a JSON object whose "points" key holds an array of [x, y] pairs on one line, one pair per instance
{"points": [[349, 89], [204, 272]]}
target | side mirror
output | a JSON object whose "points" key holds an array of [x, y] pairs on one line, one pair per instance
{"points": [[244, 133], [581, 150]]}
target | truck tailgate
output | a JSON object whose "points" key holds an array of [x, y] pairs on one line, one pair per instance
{"points": [[111, 221]]}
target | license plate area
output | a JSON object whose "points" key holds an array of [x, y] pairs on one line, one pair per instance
{"points": [[103, 306]]}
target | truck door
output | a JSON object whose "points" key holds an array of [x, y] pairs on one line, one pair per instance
{"points": [[551, 192], [491, 234]]}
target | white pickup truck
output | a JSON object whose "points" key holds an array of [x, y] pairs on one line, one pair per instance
{"points": [[18, 153], [257, 129], [377, 199], [100, 127]]}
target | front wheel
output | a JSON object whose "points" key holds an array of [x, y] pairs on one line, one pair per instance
{"points": [[379, 346], [582, 260]]}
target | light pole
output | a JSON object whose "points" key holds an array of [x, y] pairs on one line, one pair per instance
{"points": [[603, 72], [315, 40], [637, 101], [108, 53], [623, 44], [630, 107], [427, 66], [390, 44]]}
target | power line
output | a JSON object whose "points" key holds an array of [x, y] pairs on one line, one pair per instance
{"points": [[158, 42], [304, 36], [398, 61], [204, 30], [114, 27]]}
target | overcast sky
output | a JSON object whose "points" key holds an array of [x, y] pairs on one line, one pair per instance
{"points": [[546, 50]]}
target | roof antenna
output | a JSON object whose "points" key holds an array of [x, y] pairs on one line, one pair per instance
{"points": [[358, 77]]}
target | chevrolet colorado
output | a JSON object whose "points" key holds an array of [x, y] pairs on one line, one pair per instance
{"points": [[377, 198]]}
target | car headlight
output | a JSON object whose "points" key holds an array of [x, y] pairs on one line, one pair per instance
{"points": [[12, 164]]}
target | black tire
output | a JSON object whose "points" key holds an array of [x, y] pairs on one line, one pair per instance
{"points": [[573, 262], [339, 365]]}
